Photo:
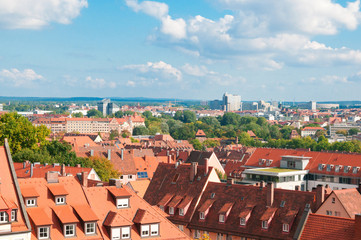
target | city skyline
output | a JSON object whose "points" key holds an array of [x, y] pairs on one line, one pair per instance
{"points": [[278, 50]]}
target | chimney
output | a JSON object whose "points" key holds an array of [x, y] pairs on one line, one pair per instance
{"points": [[206, 166], [193, 171], [31, 170], [84, 179], [230, 181], [109, 154], [169, 159], [78, 165], [320, 195], [91, 152], [52, 177], [357, 226], [122, 154], [62, 171], [270, 193], [297, 188], [115, 182]]}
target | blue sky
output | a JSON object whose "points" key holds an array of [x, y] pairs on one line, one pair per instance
{"points": [[272, 50]]}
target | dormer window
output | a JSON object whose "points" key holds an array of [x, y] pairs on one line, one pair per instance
{"points": [[69, 230], [171, 210], [320, 167], [43, 232], [337, 168], [346, 169], [329, 167], [201, 215], [221, 218], [90, 228], [30, 202], [242, 222], [285, 227], [264, 224], [13, 215], [355, 170], [4, 218], [154, 229], [60, 200], [144, 230], [122, 202], [181, 212]]}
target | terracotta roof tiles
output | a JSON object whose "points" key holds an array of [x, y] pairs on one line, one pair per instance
{"points": [[65, 214]]}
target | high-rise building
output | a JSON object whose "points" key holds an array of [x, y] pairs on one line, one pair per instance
{"points": [[107, 107], [231, 102], [215, 104]]}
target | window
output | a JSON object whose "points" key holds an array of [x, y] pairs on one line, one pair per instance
{"points": [[345, 169], [243, 222], [13, 215], [286, 227], [154, 229], [30, 202], [115, 233], [161, 208], [333, 200], [125, 232], [171, 210], [60, 200], [181, 227], [181, 212], [89, 228], [328, 212], [355, 169], [219, 236], [264, 224], [122, 202], [69, 230], [4, 217], [144, 230], [197, 234], [130, 176], [44, 232], [337, 214], [320, 167], [328, 169], [337, 168], [201, 215], [221, 218]]}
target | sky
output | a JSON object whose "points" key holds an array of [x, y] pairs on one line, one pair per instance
{"points": [[280, 50]]}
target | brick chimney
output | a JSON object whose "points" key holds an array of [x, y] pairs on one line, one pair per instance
{"points": [[115, 182], [270, 193], [193, 171], [320, 195], [52, 177], [230, 181], [62, 170], [206, 166], [357, 226], [84, 179]]}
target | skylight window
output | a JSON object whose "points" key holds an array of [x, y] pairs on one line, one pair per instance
{"points": [[282, 203], [175, 178]]}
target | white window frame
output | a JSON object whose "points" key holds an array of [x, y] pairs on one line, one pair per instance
{"points": [[13, 215], [201, 215], [144, 230], [181, 212], [181, 227], [47, 232], [115, 233], [4, 217], [333, 200], [242, 221], [122, 202], [222, 218], [171, 210], [88, 226], [264, 224], [67, 227], [125, 234], [31, 202], [60, 200], [154, 229], [286, 227], [197, 234]]}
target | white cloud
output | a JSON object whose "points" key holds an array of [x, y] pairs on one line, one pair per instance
{"points": [[160, 72], [96, 83], [261, 34], [35, 14], [25, 78]]}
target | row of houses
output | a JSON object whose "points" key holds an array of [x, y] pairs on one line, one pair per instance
{"points": [[90, 125], [60, 205]]}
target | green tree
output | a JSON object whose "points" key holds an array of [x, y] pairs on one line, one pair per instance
{"points": [[230, 118], [178, 115], [119, 114], [77, 115], [197, 145], [94, 113], [21, 133], [103, 167], [147, 114], [189, 116], [113, 134], [353, 131], [140, 130], [343, 132]]}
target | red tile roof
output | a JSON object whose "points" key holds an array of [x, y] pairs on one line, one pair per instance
{"points": [[115, 219], [65, 214], [350, 199], [144, 217], [58, 190], [85, 213], [39, 217], [328, 227]]}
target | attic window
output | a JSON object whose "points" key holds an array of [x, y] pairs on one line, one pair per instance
{"points": [[4, 217], [221, 218], [282, 203], [243, 222], [286, 227], [171, 210], [175, 178], [122, 202], [60, 200], [320, 167], [212, 195], [264, 224], [355, 169], [346, 169], [30, 202], [329, 167], [337, 168], [268, 162], [201, 215]]}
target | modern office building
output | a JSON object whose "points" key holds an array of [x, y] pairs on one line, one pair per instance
{"points": [[231, 102], [107, 107]]}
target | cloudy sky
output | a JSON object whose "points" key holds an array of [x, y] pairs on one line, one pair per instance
{"points": [[189, 49]]}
